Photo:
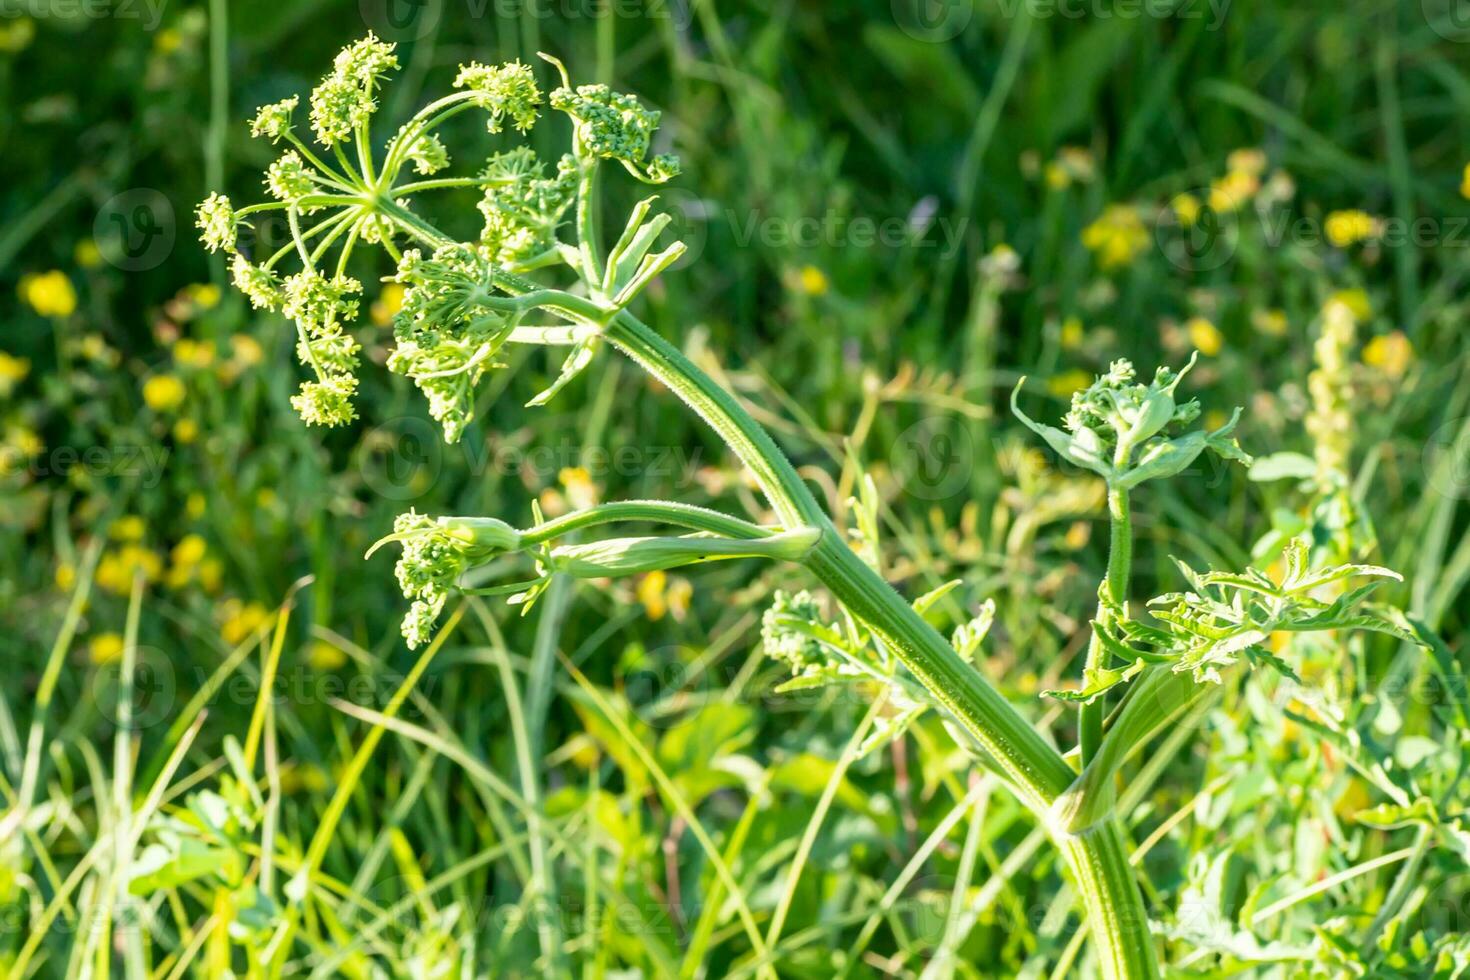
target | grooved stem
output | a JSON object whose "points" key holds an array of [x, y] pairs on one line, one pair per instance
{"points": [[1098, 858]]}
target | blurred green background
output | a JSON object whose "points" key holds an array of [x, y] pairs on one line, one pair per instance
{"points": [[895, 209]]}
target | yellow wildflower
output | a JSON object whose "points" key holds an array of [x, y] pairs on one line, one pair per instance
{"points": [[302, 777], [1056, 176], [1272, 323], [211, 572], [194, 353], [1233, 190], [87, 254], [813, 281], [168, 41], [186, 431], [388, 303], [164, 392], [194, 505], [246, 349], [204, 295], [1247, 160], [49, 293], [1356, 301], [128, 528], [1077, 536], [677, 595], [651, 594], [1345, 228], [238, 620], [116, 570], [581, 491], [190, 550], [1064, 384], [1072, 333], [1186, 208], [15, 37], [322, 655], [1390, 353], [13, 371], [94, 348], [66, 576], [1077, 163], [1205, 336], [1117, 236], [1465, 182], [105, 648]]}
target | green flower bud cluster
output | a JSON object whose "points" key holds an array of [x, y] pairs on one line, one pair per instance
{"points": [[1125, 431], [289, 178], [343, 100], [506, 91], [436, 552], [429, 155], [447, 335], [261, 285], [274, 121], [614, 126], [782, 637], [219, 226], [319, 306], [522, 206]]}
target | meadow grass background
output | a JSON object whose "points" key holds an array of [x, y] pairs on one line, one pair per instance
{"points": [[894, 211]]}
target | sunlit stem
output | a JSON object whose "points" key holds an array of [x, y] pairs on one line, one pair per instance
{"points": [[1120, 563]]}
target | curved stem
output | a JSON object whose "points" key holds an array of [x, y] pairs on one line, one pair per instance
{"points": [[1038, 774]]}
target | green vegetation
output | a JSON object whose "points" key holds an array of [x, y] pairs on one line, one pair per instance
{"points": [[748, 710]]}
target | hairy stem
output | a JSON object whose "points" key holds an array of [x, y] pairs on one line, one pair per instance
{"points": [[1120, 565]]}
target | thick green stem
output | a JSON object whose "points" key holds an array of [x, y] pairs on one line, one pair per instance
{"points": [[1120, 564], [1098, 859], [1116, 917]]}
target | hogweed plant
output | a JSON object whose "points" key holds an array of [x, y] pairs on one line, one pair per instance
{"points": [[543, 271]]}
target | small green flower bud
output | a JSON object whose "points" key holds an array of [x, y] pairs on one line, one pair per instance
{"points": [[428, 154], [274, 120], [289, 178], [261, 285], [366, 61], [506, 91], [327, 402], [782, 637], [218, 224]]}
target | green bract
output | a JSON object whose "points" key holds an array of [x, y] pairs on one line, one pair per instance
{"points": [[1126, 432]]}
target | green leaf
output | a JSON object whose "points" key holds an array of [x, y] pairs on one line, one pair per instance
{"points": [[1391, 816], [575, 364], [1282, 466], [1096, 681]]}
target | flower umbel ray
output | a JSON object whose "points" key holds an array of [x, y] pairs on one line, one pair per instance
{"points": [[342, 194]]}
